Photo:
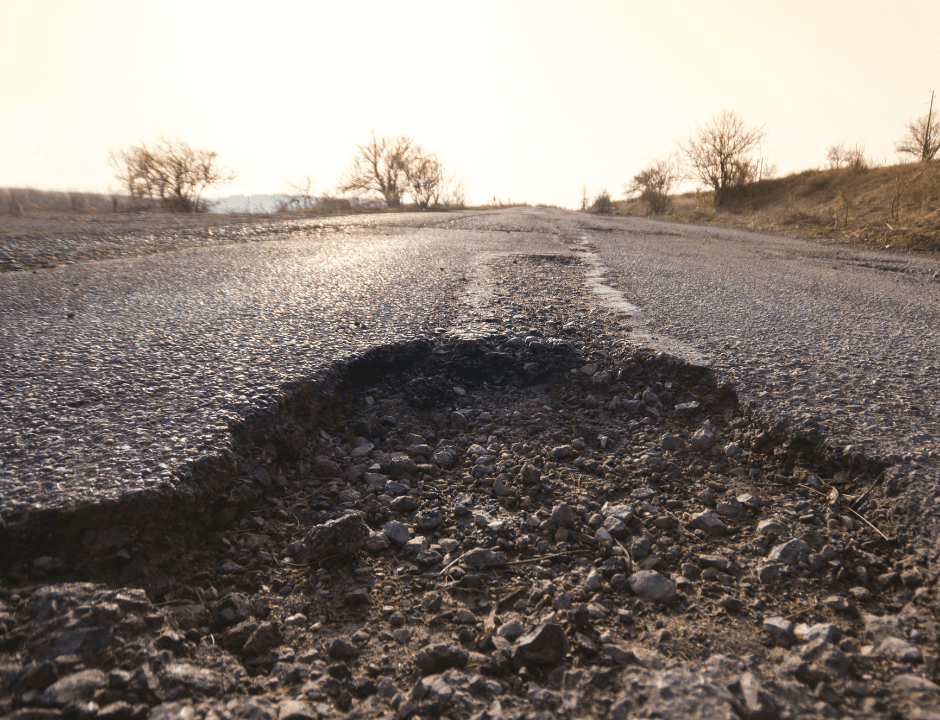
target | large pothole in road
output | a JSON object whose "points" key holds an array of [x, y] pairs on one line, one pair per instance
{"points": [[463, 523]]}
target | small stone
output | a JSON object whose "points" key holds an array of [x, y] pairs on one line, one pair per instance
{"points": [[360, 451], [530, 474], [780, 631], [416, 545], [688, 409], [563, 515], [435, 689], [759, 704], [343, 536], [717, 561], [396, 488], [649, 585], [602, 536], [511, 630], [618, 654], [731, 603], [899, 650], [481, 558], [118, 710], [789, 553], [546, 645], [702, 439], [186, 680], [323, 467], [296, 710], [342, 649], [707, 522], [914, 683], [376, 542], [440, 657], [420, 450], [396, 532], [826, 632], [429, 520], [405, 503], [624, 513], [770, 573], [74, 688], [465, 616], [672, 442], [375, 480], [594, 581], [730, 509], [502, 488], [443, 458], [428, 558], [690, 571], [563, 452], [263, 638], [772, 526], [838, 603]]}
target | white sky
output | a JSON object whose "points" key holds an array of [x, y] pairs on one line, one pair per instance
{"points": [[527, 100]]}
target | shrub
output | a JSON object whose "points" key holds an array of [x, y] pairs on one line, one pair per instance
{"points": [[654, 183], [602, 203]]}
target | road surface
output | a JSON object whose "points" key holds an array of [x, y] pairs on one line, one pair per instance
{"points": [[119, 374]]}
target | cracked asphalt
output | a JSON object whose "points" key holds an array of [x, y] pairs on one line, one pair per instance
{"points": [[118, 375]]}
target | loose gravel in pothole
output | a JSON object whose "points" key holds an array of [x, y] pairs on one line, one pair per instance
{"points": [[545, 522]]}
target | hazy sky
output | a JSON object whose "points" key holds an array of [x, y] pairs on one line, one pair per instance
{"points": [[528, 100]]}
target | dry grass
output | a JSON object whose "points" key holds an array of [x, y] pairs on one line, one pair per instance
{"points": [[897, 206], [24, 201]]}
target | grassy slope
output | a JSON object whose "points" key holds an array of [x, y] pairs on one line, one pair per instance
{"points": [[852, 205]]}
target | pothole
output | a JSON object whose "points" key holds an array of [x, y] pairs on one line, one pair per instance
{"points": [[506, 523]]}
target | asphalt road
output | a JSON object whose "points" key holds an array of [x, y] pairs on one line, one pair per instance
{"points": [[116, 373]]}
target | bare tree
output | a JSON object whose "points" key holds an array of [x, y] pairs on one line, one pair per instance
{"points": [[301, 197], [455, 192], [430, 184], [923, 136], [835, 155], [169, 169], [841, 156], [719, 153], [380, 165], [426, 177], [395, 166], [654, 183]]}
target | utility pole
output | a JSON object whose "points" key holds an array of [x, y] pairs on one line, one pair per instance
{"points": [[927, 146]]}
